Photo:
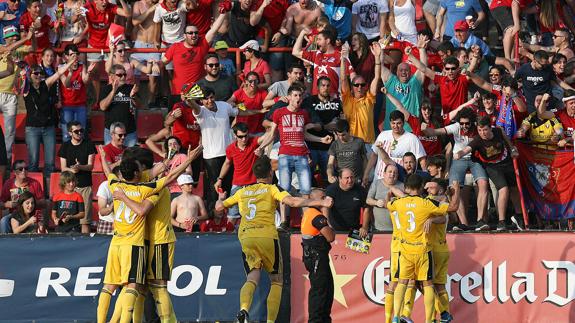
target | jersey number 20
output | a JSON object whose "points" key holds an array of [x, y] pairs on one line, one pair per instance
{"points": [[128, 216]]}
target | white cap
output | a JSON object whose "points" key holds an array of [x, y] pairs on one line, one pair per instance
{"points": [[253, 44], [185, 179]]}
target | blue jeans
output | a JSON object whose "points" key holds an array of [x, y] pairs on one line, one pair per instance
{"points": [[46, 136], [287, 165], [72, 114], [459, 169], [319, 157], [130, 140], [234, 211]]}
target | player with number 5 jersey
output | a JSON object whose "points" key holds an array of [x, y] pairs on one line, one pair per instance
{"points": [[258, 234]]}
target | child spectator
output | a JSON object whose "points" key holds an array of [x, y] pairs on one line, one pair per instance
{"points": [[227, 66], [68, 205], [187, 209]]}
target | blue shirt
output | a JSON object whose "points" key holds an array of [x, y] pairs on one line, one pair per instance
{"points": [[473, 40], [339, 14], [227, 67], [458, 10], [14, 22], [410, 94]]}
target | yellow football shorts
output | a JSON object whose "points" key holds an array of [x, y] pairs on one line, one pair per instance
{"points": [[262, 253], [394, 267], [416, 266], [126, 264], [160, 261], [440, 264]]}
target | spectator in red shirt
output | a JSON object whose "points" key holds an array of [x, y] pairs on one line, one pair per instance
{"points": [[115, 148], [68, 206], [241, 155], [254, 63], [188, 57], [200, 15], [250, 97], [40, 24], [19, 183], [219, 223]]}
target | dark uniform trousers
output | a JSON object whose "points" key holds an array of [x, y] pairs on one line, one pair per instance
{"points": [[320, 297]]}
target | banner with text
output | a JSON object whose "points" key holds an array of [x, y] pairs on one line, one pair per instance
{"points": [[58, 278], [525, 277]]}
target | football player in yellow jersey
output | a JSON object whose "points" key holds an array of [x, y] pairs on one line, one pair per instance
{"points": [[415, 258], [258, 234], [126, 264]]}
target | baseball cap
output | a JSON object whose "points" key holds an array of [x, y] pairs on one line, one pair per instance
{"points": [[461, 25], [185, 179], [221, 44], [252, 44], [10, 31]]}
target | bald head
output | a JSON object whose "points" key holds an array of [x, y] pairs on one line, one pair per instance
{"points": [[403, 72]]}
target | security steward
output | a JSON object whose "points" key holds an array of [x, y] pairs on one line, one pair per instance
{"points": [[316, 238]]}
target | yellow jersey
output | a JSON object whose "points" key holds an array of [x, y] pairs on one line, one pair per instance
{"points": [[257, 204], [412, 212], [159, 227], [129, 228], [437, 233], [395, 236]]}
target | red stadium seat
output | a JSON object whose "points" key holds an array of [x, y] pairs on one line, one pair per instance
{"points": [[97, 127], [54, 184], [97, 164], [37, 176], [95, 209], [19, 151], [149, 123], [199, 190], [97, 179]]}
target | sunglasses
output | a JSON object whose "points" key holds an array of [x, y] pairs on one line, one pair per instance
{"points": [[192, 32], [252, 81], [121, 135], [36, 73], [212, 65], [241, 137], [450, 68], [120, 50], [359, 84], [465, 123], [249, 50], [78, 131], [121, 75], [21, 169]]}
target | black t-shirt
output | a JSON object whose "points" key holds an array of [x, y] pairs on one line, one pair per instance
{"points": [[535, 82], [223, 87], [40, 110], [240, 30], [121, 109], [346, 210], [80, 152], [490, 152], [322, 113], [349, 154]]}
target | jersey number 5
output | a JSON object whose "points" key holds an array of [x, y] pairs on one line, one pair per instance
{"points": [[122, 208]]}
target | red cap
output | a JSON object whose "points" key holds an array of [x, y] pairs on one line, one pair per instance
{"points": [[461, 25]]}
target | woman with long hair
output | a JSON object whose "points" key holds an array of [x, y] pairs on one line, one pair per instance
{"points": [[176, 156], [254, 63], [361, 57], [23, 219], [133, 67], [402, 20]]}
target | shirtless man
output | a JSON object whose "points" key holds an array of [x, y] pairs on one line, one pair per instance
{"points": [[143, 33], [186, 207], [299, 15]]}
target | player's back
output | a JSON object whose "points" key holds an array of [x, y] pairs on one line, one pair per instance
{"points": [[257, 204], [159, 227], [411, 213], [437, 234]]}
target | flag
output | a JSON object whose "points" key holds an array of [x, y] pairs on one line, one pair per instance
{"points": [[546, 180], [506, 118]]}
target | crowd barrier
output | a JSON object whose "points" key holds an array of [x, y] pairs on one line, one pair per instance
{"points": [[509, 277]]}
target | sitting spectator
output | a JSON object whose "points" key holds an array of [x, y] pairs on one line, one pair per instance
{"points": [[67, 205], [227, 66], [223, 85], [115, 148], [377, 196], [219, 223], [175, 157], [106, 206], [250, 97], [543, 133], [187, 209], [20, 183], [77, 156], [254, 63], [118, 101], [346, 151], [24, 218], [348, 200]]}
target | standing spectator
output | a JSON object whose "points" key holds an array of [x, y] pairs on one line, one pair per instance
{"points": [[8, 100], [77, 156], [326, 59], [348, 199], [100, 15], [369, 17], [361, 57], [377, 196], [359, 101], [256, 64], [494, 150], [324, 113], [188, 55], [118, 101], [250, 97], [455, 10], [241, 155], [223, 85], [187, 209], [41, 23], [567, 118], [227, 66], [339, 14], [10, 14], [512, 108], [507, 16], [24, 219], [67, 205], [175, 156], [72, 27], [346, 151], [316, 238], [278, 90], [463, 38], [199, 14], [273, 14], [41, 117], [119, 56], [115, 148], [17, 185], [243, 22], [396, 143], [542, 133], [402, 20], [73, 90]]}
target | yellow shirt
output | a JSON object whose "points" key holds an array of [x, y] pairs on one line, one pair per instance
{"points": [[159, 227], [542, 130], [7, 83], [129, 228], [412, 212], [395, 235], [257, 204], [359, 114]]}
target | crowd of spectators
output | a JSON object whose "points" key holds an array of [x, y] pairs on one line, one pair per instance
{"points": [[357, 95]]}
